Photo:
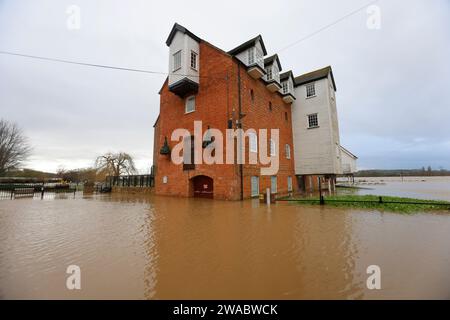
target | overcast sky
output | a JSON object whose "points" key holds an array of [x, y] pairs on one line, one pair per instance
{"points": [[393, 83]]}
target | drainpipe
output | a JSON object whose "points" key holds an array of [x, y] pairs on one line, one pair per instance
{"points": [[239, 125]]}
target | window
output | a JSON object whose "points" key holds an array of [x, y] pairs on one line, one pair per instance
{"points": [[310, 90], [272, 148], [313, 121], [194, 60], [269, 73], [190, 104], [289, 183], [177, 60], [288, 151], [270, 106], [285, 87], [252, 95], [273, 184], [251, 55], [286, 116], [253, 142], [255, 186]]}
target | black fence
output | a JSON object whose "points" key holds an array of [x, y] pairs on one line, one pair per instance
{"points": [[33, 190], [145, 180]]}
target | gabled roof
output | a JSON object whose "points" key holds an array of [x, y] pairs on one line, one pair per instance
{"points": [[286, 75], [179, 28], [248, 44], [315, 75], [272, 59], [348, 152]]}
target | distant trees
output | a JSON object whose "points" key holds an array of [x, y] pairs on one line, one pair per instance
{"points": [[14, 147], [115, 164]]}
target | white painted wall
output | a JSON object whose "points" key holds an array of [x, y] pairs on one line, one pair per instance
{"points": [[184, 43], [316, 150], [348, 162]]}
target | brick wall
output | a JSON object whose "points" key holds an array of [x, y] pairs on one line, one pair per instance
{"points": [[216, 102]]}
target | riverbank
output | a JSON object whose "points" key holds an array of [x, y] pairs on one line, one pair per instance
{"points": [[387, 203]]}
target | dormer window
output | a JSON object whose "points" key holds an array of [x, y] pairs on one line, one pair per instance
{"points": [[177, 60], [269, 73], [285, 87], [251, 55], [194, 56]]}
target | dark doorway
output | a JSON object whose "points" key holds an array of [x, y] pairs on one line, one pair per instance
{"points": [[301, 183], [203, 187]]}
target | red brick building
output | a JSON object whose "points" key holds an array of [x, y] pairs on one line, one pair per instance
{"points": [[224, 90]]}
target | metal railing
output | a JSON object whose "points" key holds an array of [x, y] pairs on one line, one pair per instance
{"points": [[141, 181]]}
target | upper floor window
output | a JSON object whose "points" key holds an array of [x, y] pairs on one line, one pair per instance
{"points": [[253, 142], [288, 151], [270, 106], [313, 120], [269, 73], [285, 87], [190, 104], [252, 95], [251, 55], [177, 60], [286, 116], [194, 56], [310, 90], [272, 148]]}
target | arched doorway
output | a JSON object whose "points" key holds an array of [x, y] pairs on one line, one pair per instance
{"points": [[203, 187]]}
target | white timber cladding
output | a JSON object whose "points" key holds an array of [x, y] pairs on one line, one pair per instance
{"points": [[316, 150], [185, 45], [253, 55], [348, 162]]}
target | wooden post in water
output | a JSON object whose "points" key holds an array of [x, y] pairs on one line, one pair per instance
{"points": [[42, 191], [322, 201]]}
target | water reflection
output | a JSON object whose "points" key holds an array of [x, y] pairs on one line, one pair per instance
{"points": [[175, 248]]}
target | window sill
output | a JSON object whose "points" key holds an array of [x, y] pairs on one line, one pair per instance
{"points": [[187, 112], [310, 97], [175, 70], [196, 70], [313, 127]]}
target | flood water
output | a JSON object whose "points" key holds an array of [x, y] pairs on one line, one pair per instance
{"points": [[148, 247]]}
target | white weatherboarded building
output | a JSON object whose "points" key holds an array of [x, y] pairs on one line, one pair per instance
{"points": [[315, 126]]}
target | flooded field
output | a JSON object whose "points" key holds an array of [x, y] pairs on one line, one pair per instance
{"points": [[147, 247], [429, 188]]}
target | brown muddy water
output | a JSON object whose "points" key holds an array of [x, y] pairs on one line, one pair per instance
{"points": [[147, 247]]}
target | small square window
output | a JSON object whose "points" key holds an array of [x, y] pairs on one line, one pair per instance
{"points": [[177, 60], [313, 120], [194, 56], [310, 90], [190, 104]]}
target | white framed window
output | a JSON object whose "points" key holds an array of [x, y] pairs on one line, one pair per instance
{"points": [[253, 142], [194, 56], [177, 60], [288, 151], [285, 87], [310, 89], [289, 183], [269, 73], [251, 55], [272, 148], [273, 184], [190, 104], [255, 186], [313, 120]]}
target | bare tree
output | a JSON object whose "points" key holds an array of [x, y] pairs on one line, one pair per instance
{"points": [[115, 163], [14, 147]]}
